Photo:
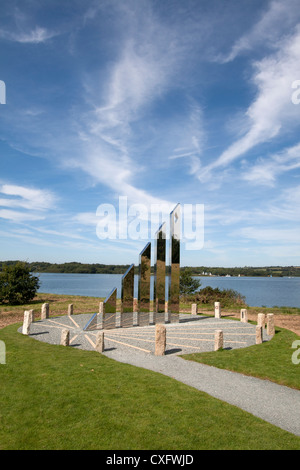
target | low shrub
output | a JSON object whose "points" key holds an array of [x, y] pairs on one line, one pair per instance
{"points": [[227, 297]]}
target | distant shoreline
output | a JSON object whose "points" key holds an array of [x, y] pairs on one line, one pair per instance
{"points": [[99, 268]]}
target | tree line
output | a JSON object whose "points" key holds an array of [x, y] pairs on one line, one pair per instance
{"points": [[72, 267], [266, 271], [98, 268]]}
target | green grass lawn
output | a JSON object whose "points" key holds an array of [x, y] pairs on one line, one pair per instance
{"points": [[271, 360], [56, 397]]}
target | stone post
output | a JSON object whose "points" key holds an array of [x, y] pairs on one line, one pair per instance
{"points": [[259, 334], [65, 337], [160, 340], [194, 309], [100, 342], [218, 340], [261, 320], [32, 315], [217, 310], [270, 324], [136, 319], [244, 315], [100, 316], [45, 311], [70, 309], [28, 319]]}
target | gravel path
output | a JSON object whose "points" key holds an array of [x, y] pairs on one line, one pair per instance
{"points": [[273, 403]]}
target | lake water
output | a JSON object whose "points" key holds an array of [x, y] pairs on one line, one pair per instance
{"points": [[259, 291]]}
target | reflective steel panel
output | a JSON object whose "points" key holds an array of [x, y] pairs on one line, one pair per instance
{"points": [[109, 310], [127, 297], [92, 324], [160, 275], [174, 274], [144, 285]]}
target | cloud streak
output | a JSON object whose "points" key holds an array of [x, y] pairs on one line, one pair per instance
{"points": [[279, 17], [272, 112], [36, 203], [140, 78], [34, 36], [267, 170]]}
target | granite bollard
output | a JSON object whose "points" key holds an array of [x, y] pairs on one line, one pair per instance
{"points": [[28, 319], [100, 342], [270, 324], [32, 315], [259, 334], [244, 315], [65, 337], [218, 340], [45, 311], [217, 310], [194, 309], [261, 320], [160, 340], [70, 309], [100, 316]]}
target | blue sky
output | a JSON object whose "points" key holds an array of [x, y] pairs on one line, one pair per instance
{"points": [[159, 101]]}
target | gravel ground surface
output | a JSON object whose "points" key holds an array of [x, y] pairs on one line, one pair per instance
{"points": [[276, 404], [191, 334]]}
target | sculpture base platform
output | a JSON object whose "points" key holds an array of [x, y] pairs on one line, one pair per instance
{"points": [[190, 334]]}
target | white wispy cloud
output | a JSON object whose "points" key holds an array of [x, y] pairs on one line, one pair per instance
{"points": [[26, 197], [190, 143], [269, 235], [23, 30], [272, 111], [279, 17], [34, 203], [267, 170], [142, 73], [18, 216], [35, 36]]}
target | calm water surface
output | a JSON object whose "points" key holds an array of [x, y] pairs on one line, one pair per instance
{"points": [[259, 291]]}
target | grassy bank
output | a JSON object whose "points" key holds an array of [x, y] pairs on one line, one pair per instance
{"points": [[54, 397], [82, 304], [58, 306]]}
